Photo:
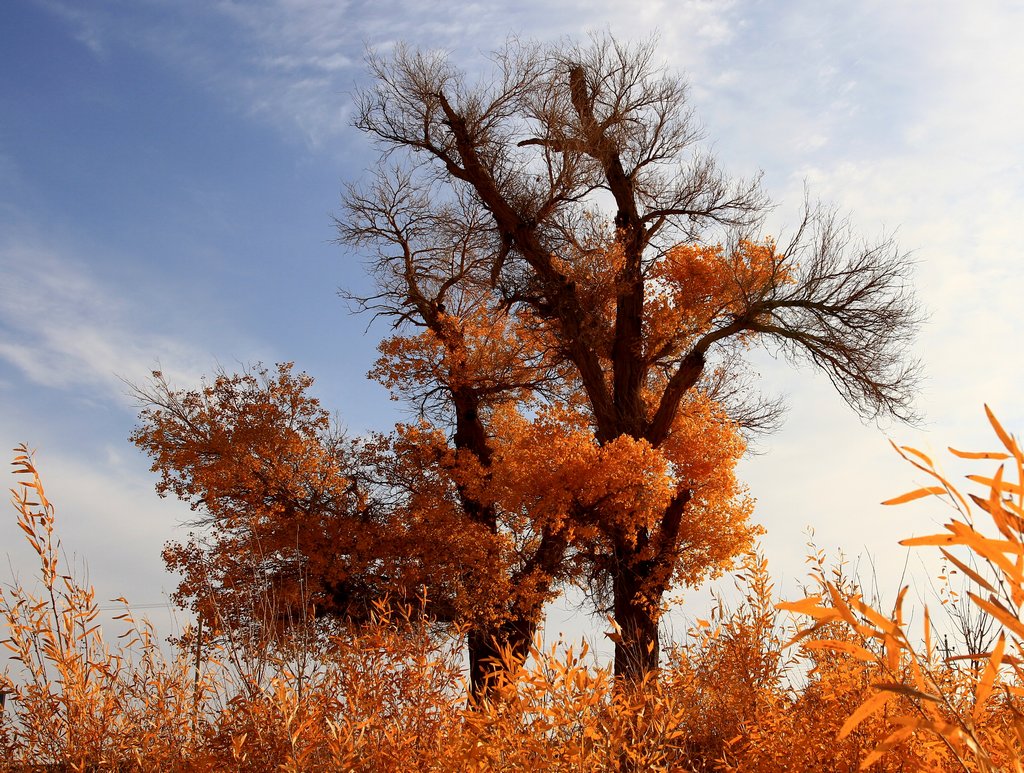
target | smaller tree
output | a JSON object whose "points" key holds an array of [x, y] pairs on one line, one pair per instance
{"points": [[289, 525], [296, 521]]}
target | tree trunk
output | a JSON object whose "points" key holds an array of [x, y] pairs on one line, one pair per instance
{"points": [[636, 648], [489, 652]]}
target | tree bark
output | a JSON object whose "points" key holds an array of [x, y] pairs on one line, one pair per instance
{"points": [[492, 650], [637, 649]]}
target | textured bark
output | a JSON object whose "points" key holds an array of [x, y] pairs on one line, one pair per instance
{"points": [[637, 649]]}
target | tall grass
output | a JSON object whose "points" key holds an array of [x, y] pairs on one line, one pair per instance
{"points": [[968, 718], [836, 686]]}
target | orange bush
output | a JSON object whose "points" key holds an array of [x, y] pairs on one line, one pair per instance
{"points": [[747, 691], [957, 718]]}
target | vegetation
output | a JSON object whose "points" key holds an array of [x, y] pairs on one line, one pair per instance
{"points": [[564, 201], [577, 371], [839, 686], [292, 512], [574, 288]]}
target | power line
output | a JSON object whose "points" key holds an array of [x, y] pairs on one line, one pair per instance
{"points": [[154, 605]]}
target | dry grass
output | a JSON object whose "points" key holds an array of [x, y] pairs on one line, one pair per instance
{"points": [[853, 690]]}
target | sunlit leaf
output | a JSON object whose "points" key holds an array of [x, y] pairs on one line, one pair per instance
{"points": [[973, 575], [865, 710], [979, 455], [1003, 436], [909, 692], [908, 726], [836, 645], [985, 684], [920, 493]]}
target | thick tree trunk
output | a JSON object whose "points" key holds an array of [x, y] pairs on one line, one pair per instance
{"points": [[638, 587], [490, 651], [636, 648]]}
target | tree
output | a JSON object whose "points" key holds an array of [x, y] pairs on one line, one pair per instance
{"points": [[289, 523], [298, 522], [505, 560], [520, 451], [487, 504], [575, 176]]}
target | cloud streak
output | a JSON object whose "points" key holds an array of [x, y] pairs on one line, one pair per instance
{"points": [[292, 62], [66, 329]]}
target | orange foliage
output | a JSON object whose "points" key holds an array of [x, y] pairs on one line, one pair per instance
{"points": [[466, 566], [480, 349], [853, 691], [285, 513], [567, 436], [695, 285], [942, 715], [703, 448], [386, 695]]}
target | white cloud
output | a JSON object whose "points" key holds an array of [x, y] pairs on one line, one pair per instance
{"points": [[311, 51], [292, 62], [65, 328], [949, 179]]}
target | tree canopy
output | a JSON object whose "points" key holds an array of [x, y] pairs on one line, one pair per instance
{"points": [[571, 183], [574, 286]]}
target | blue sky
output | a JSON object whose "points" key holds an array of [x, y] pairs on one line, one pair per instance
{"points": [[169, 169]]}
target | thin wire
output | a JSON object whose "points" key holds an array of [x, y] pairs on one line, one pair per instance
{"points": [[162, 605]]}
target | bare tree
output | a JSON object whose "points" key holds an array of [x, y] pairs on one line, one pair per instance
{"points": [[577, 167]]}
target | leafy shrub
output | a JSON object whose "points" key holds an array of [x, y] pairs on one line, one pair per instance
{"points": [[955, 718], [850, 688]]}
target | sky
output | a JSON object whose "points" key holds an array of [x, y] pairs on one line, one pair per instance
{"points": [[169, 170]]}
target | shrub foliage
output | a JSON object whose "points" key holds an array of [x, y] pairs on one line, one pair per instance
{"points": [[828, 682]]}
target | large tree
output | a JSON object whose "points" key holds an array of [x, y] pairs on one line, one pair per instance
{"points": [[502, 420], [576, 175], [490, 501]]}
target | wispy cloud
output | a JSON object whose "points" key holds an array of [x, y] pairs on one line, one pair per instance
{"points": [[945, 170], [312, 50], [292, 62], [83, 25], [63, 327]]}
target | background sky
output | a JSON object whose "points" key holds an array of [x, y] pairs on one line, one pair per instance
{"points": [[169, 170]]}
